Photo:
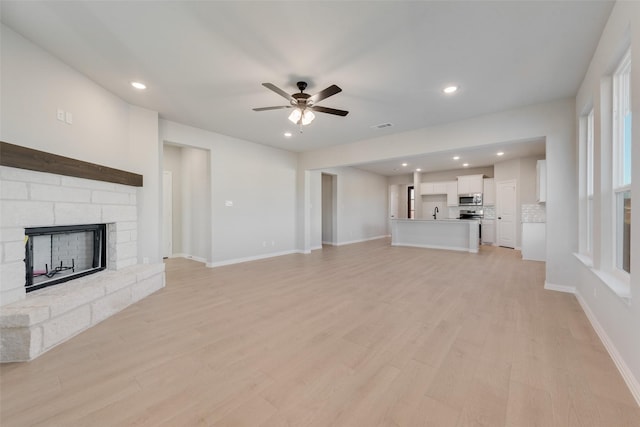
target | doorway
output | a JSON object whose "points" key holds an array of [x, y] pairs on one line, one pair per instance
{"points": [[411, 202], [186, 204], [329, 209], [506, 213]]}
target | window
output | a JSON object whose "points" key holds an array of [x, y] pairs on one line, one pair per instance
{"points": [[589, 178], [411, 197], [622, 163]]}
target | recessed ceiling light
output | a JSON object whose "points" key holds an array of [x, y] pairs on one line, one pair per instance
{"points": [[418, 170], [465, 164], [456, 157], [499, 153], [405, 165], [139, 85], [287, 134], [450, 89]]}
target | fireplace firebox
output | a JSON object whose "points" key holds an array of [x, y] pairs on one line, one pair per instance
{"points": [[55, 255]]}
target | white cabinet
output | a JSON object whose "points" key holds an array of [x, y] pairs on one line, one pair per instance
{"points": [[452, 193], [489, 193], [469, 184], [534, 241], [488, 231], [541, 182], [427, 188], [440, 187]]}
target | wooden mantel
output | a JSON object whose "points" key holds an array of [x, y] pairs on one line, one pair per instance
{"points": [[16, 156]]}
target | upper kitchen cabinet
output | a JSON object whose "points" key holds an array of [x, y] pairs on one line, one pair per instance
{"points": [[489, 193], [469, 184], [427, 188], [452, 193], [541, 182]]}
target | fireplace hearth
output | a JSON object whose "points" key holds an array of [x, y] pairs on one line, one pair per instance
{"points": [[55, 255], [38, 207]]}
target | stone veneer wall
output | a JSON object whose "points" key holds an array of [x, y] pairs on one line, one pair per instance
{"points": [[33, 323], [38, 199]]}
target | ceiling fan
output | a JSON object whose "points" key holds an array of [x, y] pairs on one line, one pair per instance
{"points": [[303, 103]]}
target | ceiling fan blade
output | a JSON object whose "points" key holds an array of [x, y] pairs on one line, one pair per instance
{"points": [[272, 108], [329, 110], [279, 91], [331, 90]]}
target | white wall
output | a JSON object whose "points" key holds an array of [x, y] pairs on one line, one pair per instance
{"points": [[327, 207], [105, 129], [316, 220], [191, 200], [528, 178], [145, 146], [453, 174], [362, 204], [172, 161], [260, 182], [523, 171], [196, 203], [617, 319]]}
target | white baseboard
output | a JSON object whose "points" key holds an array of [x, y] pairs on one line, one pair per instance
{"points": [[559, 288], [187, 256], [253, 258], [627, 375], [350, 242], [328, 243], [446, 248], [316, 248]]}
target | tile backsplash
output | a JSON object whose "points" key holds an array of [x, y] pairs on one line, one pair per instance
{"points": [[489, 212], [534, 213]]}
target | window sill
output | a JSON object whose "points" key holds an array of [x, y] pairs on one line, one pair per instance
{"points": [[618, 285], [585, 259]]}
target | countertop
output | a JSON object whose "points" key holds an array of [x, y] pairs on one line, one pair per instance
{"points": [[444, 220]]}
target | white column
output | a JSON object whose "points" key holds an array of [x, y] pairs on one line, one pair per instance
{"points": [[417, 178]]}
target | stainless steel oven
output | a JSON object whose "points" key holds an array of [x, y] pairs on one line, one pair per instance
{"points": [[474, 199]]}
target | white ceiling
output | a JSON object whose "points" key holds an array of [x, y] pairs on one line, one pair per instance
{"points": [[476, 157], [204, 61]]}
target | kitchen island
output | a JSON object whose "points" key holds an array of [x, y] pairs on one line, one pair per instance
{"points": [[450, 234]]}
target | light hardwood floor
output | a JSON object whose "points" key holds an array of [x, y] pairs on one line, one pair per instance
{"points": [[363, 335]]}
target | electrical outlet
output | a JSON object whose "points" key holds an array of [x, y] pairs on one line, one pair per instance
{"points": [[264, 244], [69, 118], [273, 243], [60, 115], [228, 203]]}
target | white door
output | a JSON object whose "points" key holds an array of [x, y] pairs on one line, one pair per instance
{"points": [[167, 214], [506, 213]]}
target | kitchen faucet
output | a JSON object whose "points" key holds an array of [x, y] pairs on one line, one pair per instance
{"points": [[435, 211]]}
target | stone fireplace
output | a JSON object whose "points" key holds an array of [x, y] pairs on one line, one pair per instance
{"points": [[46, 210]]}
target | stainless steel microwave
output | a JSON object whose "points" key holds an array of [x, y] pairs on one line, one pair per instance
{"points": [[474, 199]]}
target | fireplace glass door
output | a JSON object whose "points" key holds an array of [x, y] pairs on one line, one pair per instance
{"points": [[57, 254]]}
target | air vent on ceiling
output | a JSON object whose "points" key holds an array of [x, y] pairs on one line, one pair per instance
{"points": [[381, 126]]}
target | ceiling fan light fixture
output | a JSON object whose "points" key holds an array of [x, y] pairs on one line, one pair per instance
{"points": [[307, 117], [298, 116], [303, 103], [295, 115]]}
